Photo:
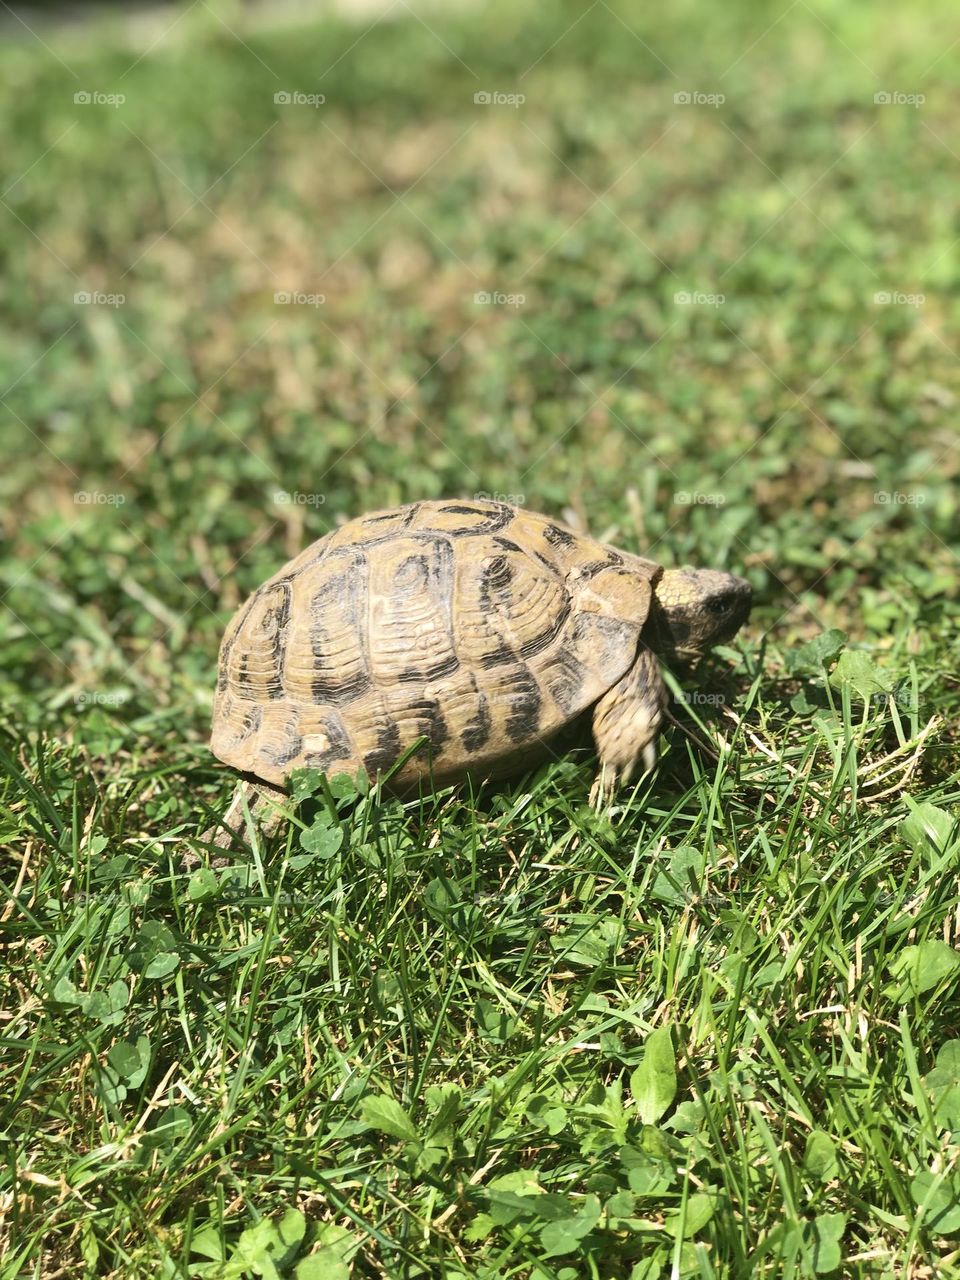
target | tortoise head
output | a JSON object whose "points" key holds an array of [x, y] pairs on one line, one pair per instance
{"points": [[694, 609]]}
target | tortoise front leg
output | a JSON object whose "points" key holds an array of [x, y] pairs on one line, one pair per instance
{"points": [[626, 722], [264, 804], [261, 800]]}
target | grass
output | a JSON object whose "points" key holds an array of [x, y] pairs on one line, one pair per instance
{"points": [[712, 1034]]}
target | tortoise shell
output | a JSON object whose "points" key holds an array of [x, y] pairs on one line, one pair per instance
{"points": [[480, 627]]}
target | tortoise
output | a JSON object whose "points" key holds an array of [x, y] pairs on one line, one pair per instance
{"points": [[463, 635]]}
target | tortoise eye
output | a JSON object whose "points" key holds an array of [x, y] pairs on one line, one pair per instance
{"points": [[719, 604]]}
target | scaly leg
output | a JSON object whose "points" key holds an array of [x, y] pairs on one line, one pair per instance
{"points": [[626, 721], [261, 800]]}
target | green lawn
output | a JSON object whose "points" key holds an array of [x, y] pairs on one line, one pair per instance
{"points": [[712, 1033]]}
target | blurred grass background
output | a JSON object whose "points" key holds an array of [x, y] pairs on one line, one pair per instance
{"points": [[166, 452], [599, 200]]}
